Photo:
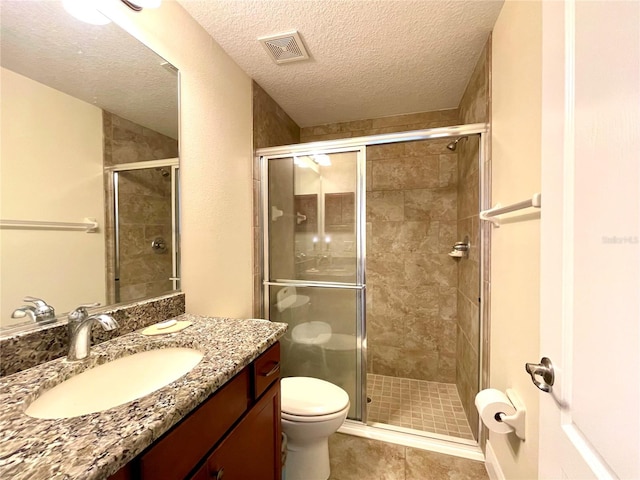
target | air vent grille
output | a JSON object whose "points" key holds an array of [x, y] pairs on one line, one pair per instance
{"points": [[285, 47]]}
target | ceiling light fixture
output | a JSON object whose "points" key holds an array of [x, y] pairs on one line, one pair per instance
{"points": [[138, 5], [86, 11]]}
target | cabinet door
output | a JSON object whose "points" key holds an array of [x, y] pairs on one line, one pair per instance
{"points": [[177, 452], [252, 450]]}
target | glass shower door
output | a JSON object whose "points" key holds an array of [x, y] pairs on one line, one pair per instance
{"points": [[145, 230], [314, 276]]}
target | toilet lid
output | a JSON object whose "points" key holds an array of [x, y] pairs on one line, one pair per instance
{"points": [[305, 396]]}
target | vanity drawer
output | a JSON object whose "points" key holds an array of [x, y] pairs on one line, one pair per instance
{"points": [[266, 370], [175, 454]]}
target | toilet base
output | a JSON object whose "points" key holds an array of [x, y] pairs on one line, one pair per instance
{"points": [[309, 461]]}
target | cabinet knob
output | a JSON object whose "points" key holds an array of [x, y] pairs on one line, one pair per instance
{"points": [[218, 474]]}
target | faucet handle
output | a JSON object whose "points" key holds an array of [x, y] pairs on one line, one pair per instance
{"points": [[22, 311], [38, 302], [43, 312], [81, 313]]}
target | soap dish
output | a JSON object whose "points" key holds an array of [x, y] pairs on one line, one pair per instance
{"points": [[170, 326]]}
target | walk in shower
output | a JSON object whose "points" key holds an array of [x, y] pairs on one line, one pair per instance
{"points": [[358, 246], [142, 243]]}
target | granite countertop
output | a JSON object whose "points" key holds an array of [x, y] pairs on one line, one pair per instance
{"points": [[97, 445]]}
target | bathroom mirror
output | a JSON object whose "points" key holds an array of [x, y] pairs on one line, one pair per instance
{"points": [[89, 116], [313, 217]]}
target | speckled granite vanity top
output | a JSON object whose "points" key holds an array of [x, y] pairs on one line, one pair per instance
{"points": [[97, 445]]}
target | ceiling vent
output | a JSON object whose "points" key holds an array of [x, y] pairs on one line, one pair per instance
{"points": [[285, 47]]}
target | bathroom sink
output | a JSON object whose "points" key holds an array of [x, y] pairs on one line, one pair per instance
{"points": [[114, 383]]}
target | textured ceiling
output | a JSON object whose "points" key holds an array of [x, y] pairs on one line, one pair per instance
{"points": [[368, 58], [102, 65]]}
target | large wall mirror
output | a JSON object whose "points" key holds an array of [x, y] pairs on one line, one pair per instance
{"points": [[89, 125]]}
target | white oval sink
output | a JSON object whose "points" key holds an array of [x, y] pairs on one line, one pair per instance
{"points": [[115, 383]]}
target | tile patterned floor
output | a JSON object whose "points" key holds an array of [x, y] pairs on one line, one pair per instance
{"points": [[356, 458], [417, 404]]}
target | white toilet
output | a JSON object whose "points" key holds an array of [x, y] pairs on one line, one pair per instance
{"points": [[311, 410]]}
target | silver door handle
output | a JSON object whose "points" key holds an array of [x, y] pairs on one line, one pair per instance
{"points": [[543, 370]]}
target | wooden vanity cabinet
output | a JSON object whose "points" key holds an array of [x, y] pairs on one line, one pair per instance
{"points": [[234, 434], [250, 451]]}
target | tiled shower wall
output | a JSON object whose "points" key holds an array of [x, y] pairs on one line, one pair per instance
{"points": [[411, 226], [145, 214], [474, 108], [411, 281], [271, 127], [145, 209]]}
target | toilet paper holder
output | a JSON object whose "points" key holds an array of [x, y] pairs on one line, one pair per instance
{"points": [[517, 420]]}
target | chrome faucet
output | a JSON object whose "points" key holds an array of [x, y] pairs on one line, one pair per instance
{"points": [[40, 313], [79, 328]]}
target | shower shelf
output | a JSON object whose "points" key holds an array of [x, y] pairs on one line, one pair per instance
{"points": [[90, 225], [490, 215]]}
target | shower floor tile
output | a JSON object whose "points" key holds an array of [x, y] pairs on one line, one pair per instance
{"points": [[417, 404]]}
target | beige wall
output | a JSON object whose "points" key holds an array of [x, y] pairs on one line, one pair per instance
{"points": [[215, 158], [515, 250], [36, 185]]}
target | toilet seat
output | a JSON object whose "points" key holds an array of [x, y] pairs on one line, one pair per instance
{"points": [[314, 418], [307, 399]]}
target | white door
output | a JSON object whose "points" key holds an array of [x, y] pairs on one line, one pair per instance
{"points": [[590, 289]]}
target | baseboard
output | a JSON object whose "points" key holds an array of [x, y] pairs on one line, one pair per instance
{"points": [[491, 463]]}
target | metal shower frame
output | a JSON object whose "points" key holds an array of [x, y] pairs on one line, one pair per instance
{"points": [[113, 171], [359, 144]]}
